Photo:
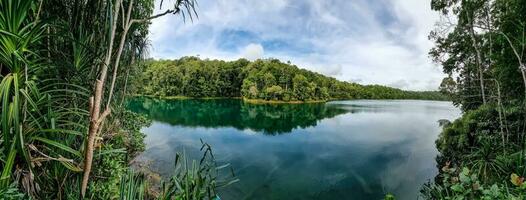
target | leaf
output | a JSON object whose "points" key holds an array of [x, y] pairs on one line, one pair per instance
{"points": [[71, 166], [457, 188], [60, 146], [464, 178], [111, 151]]}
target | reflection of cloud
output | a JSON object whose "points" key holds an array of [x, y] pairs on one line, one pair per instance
{"points": [[249, 131], [391, 145]]}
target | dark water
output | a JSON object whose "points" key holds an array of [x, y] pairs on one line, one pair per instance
{"points": [[337, 150]]}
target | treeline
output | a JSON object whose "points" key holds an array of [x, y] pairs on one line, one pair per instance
{"points": [[268, 79]]}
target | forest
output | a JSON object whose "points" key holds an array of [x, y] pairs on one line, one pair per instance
{"points": [[268, 79], [481, 46]]}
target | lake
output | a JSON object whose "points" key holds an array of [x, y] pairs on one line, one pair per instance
{"points": [[359, 149]]}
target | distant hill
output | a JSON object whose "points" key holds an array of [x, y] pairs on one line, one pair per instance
{"points": [[268, 79]]}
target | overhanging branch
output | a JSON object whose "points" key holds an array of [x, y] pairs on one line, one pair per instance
{"points": [[154, 16]]}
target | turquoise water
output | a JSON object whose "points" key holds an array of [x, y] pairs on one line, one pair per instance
{"points": [[337, 150]]}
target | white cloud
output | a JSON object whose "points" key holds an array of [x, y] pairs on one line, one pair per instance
{"points": [[377, 42], [399, 84], [253, 51]]}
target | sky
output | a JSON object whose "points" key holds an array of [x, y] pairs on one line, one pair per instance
{"points": [[364, 41]]}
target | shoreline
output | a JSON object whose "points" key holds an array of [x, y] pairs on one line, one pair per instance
{"points": [[262, 101], [252, 101], [182, 97]]}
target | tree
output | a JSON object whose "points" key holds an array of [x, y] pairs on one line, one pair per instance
{"points": [[193, 77], [301, 87], [96, 116], [249, 89], [269, 80], [448, 86], [274, 92]]}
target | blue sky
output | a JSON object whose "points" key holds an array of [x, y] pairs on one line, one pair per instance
{"points": [[365, 41]]}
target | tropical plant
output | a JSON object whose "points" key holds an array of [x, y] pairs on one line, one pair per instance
{"points": [[194, 179], [50, 52]]}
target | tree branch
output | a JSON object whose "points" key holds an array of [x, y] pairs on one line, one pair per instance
{"points": [[104, 115], [154, 16], [512, 47]]}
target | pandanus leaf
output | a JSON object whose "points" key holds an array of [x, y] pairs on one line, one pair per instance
{"points": [[60, 146]]}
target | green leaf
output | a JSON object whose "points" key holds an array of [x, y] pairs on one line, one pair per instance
{"points": [[457, 188], [71, 166], [60, 146]]}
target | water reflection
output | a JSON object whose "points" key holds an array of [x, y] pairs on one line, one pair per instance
{"points": [[214, 113], [339, 150]]}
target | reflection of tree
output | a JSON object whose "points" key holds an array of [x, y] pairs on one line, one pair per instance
{"points": [[269, 118]]}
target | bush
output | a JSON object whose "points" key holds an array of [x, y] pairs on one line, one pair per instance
{"points": [[463, 184]]}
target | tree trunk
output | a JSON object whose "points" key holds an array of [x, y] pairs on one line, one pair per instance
{"points": [[522, 66], [479, 63], [95, 103], [126, 25], [126, 79], [523, 71]]}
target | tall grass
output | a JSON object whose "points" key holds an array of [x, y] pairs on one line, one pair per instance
{"points": [[193, 179]]}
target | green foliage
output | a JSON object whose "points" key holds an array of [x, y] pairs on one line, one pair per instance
{"points": [[192, 77], [262, 79], [194, 179], [133, 186], [463, 184], [130, 131], [274, 92], [110, 168], [115, 154], [51, 52], [482, 49], [448, 86], [18, 94], [12, 193]]}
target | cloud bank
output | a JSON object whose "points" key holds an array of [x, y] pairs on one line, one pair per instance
{"points": [[376, 42]]}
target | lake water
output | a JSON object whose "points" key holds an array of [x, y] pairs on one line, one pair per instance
{"points": [[337, 150]]}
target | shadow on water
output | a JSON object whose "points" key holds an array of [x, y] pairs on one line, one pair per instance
{"points": [[270, 119]]}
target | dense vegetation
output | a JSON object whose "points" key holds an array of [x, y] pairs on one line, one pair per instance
{"points": [[481, 45], [64, 133], [262, 79]]}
